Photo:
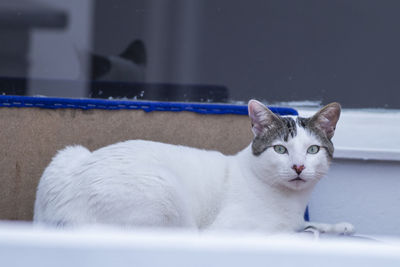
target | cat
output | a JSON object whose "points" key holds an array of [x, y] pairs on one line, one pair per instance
{"points": [[265, 187], [128, 66]]}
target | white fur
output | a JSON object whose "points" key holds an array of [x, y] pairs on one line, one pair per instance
{"points": [[123, 70], [143, 183]]}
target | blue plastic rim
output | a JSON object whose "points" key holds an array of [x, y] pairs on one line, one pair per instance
{"points": [[148, 106]]}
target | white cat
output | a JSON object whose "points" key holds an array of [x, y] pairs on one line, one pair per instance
{"points": [[264, 187]]}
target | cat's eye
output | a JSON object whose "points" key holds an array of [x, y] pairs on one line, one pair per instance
{"points": [[280, 149], [313, 149]]}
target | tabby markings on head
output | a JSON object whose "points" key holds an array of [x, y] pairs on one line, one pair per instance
{"points": [[287, 127]]}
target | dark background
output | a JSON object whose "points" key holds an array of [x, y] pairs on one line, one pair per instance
{"points": [[273, 50]]}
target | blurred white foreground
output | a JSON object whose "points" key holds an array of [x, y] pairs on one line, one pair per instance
{"points": [[25, 245]]}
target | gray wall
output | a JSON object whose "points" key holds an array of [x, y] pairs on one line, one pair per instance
{"points": [[346, 51], [62, 54], [278, 50]]}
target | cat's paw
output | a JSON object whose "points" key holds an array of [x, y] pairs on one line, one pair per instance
{"points": [[338, 228], [320, 228], [343, 228]]}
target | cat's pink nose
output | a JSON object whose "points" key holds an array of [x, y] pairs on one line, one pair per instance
{"points": [[298, 169]]}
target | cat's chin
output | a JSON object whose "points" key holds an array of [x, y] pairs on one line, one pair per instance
{"points": [[297, 179], [297, 183]]}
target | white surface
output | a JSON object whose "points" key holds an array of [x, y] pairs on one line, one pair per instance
{"points": [[367, 154], [364, 193], [23, 246]]}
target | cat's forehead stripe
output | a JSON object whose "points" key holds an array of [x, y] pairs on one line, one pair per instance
{"points": [[291, 126], [303, 122]]}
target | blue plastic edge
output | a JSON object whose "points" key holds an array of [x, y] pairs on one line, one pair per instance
{"points": [[307, 215], [148, 106]]}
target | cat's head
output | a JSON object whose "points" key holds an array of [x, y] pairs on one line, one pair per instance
{"points": [[292, 152]]}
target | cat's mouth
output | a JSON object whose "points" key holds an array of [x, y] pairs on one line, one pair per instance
{"points": [[297, 179]]}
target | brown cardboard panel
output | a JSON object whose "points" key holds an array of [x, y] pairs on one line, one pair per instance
{"points": [[30, 137]]}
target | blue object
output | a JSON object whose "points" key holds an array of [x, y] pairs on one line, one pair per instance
{"points": [[307, 215], [148, 106]]}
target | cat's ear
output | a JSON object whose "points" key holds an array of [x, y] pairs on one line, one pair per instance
{"points": [[135, 52], [261, 117], [327, 118]]}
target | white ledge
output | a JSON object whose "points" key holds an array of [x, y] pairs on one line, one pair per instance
{"points": [[27, 246], [367, 154]]}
